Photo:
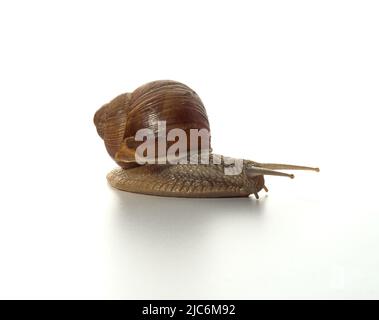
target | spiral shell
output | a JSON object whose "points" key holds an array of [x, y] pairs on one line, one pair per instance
{"points": [[118, 121]]}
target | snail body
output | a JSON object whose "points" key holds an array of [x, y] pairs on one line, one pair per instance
{"points": [[176, 105], [186, 180]]}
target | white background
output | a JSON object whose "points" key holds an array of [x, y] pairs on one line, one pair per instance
{"points": [[283, 81]]}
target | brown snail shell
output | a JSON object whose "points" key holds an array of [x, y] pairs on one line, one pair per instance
{"points": [[118, 121]]}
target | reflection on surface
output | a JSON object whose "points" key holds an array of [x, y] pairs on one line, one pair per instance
{"points": [[158, 239], [154, 217]]}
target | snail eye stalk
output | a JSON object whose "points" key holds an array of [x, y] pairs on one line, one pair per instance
{"points": [[254, 171], [281, 166]]}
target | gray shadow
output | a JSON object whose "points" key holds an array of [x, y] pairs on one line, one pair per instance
{"points": [[155, 241], [142, 217], [156, 212]]}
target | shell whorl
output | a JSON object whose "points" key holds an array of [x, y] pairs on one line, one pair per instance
{"points": [[118, 121], [110, 122]]}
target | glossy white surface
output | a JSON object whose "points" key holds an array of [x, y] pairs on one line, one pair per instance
{"points": [[290, 82]]}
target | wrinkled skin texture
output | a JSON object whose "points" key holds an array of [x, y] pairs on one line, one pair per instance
{"points": [[186, 180]]}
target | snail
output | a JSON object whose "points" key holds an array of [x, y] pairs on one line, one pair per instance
{"points": [[179, 108]]}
